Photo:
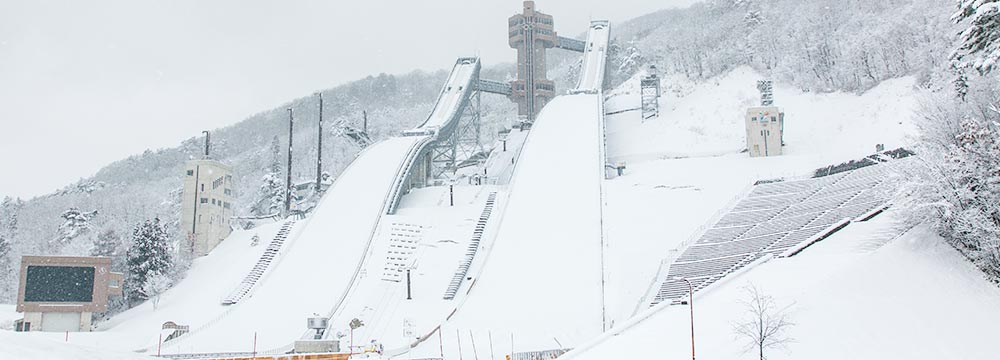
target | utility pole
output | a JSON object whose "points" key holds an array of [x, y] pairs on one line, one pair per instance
{"points": [[690, 307], [409, 296], [288, 178], [207, 141], [319, 147]]}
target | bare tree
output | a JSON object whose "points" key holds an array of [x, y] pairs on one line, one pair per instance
{"points": [[766, 325], [155, 286]]}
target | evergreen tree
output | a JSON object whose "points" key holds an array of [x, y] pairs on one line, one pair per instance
{"points": [[9, 210], [6, 269], [75, 224], [272, 188], [979, 46], [106, 244], [148, 256]]}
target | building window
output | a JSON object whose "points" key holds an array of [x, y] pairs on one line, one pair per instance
{"points": [[190, 172], [213, 201], [226, 205], [202, 187], [228, 191], [204, 200]]}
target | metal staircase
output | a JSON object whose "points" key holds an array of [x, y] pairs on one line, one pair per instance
{"points": [[262, 265], [470, 254]]}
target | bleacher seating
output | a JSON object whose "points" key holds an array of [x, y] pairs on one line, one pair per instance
{"points": [[771, 219]]}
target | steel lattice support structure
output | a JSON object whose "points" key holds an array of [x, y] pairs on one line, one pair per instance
{"points": [[462, 142], [468, 134], [650, 93], [766, 92]]}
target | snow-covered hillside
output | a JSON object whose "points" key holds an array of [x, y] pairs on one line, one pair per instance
{"points": [[706, 119], [552, 252], [854, 295], [686, 165]]}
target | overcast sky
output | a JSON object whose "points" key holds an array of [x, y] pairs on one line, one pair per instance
{"points": [[85, 83]]}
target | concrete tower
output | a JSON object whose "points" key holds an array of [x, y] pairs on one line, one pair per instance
{"points": [[206, 207], [531, 33]]}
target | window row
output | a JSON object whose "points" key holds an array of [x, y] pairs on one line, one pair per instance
{"points": [[520, 31], [224, 204], [530, 19]]}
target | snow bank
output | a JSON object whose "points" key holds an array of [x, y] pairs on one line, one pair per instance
{"points": [[31, 346]]}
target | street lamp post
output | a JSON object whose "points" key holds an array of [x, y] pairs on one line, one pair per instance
{"points": [[691, 306], [319, 146]]}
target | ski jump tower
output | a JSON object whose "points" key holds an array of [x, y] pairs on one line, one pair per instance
{"points": [[531, 32]]}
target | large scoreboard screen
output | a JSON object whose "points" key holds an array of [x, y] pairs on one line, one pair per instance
{"points": [[59, 284]]}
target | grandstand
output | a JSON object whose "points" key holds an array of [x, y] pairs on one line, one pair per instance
{"points": [[770, 220]]}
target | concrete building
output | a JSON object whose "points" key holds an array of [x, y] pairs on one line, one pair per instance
{"points": [[207, 205], [531, 33], [61, 293], [765, 130]]}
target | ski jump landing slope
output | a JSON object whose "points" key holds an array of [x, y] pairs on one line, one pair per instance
{"points": [[543, 280], [318, 266]]}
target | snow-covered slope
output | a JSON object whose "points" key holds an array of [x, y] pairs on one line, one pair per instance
{"points": [[914, 297], [543, 277], [311, 274], [35, 346], [684, 167], [706, 119], [849, 297], [318, 266]]}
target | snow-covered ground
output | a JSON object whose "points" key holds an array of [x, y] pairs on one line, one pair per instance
{"points": [[913, 298], [707, 119], [684, 167], [441, 234], [849, 296], [542, 279], [37, 346], [316, 264], [538, 275], [8, 314], [194, 301]]}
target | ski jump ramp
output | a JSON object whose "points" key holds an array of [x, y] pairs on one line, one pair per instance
{"points": [[543, 282], [317, 269]]}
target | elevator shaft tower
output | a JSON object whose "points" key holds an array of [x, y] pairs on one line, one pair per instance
{"points": [[531, 33]]}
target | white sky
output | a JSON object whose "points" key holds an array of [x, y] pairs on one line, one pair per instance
{"points": [[85, 83]]}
